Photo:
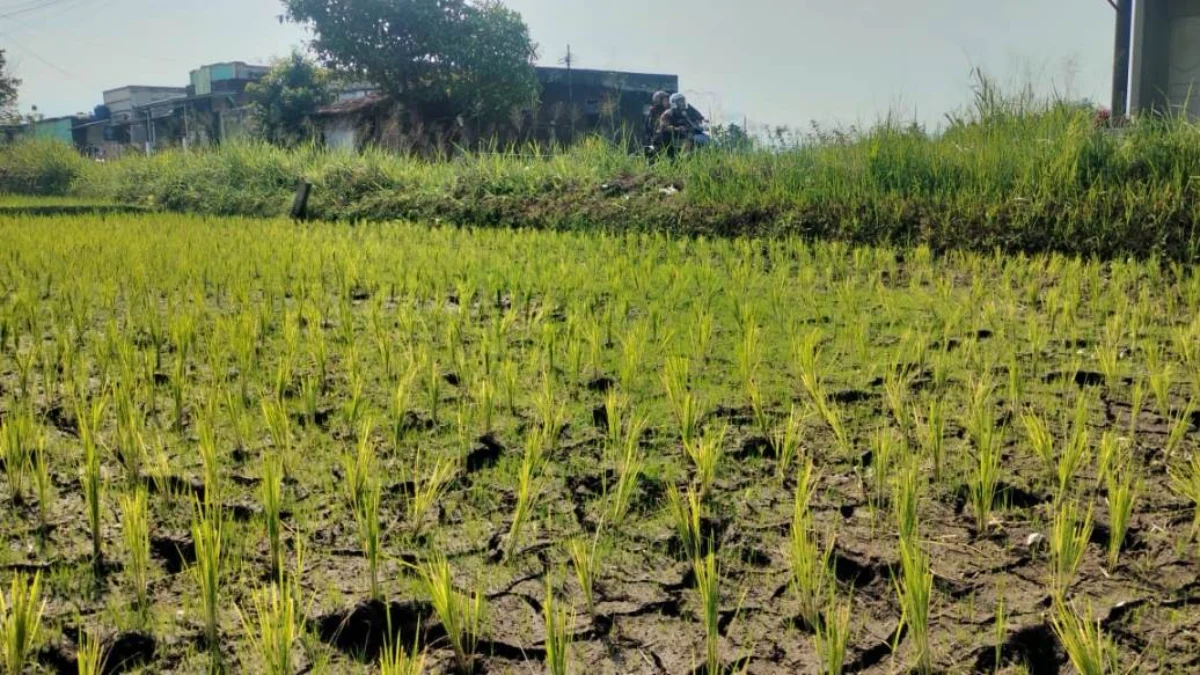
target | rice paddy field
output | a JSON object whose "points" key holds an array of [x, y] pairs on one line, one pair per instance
{"points": [[250, 446]]}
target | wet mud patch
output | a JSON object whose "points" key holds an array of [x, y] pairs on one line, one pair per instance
{"points": [[362, 631], [1081, 378], [486, 454], [175, 552], [1034, 647]]}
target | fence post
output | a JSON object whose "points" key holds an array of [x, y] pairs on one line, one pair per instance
{"points": [[300, 202]]}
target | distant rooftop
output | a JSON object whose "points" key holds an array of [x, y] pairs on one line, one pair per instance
{"points": [[609, 79]]}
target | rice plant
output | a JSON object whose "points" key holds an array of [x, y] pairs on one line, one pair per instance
{"points": [[460, 614], [271, 498], [931, 431], [1180, 423], [1123, 485], [394, 659], [685, 511], [1185, 482], [559, 623], [585, 561], [272, 628], [807, 358], [529, 487], [706, 452], [20, 622], [16, 439], [629, 471], [914, 589], [89, 418], [428, 488], [1089, 649], [985, 479], [42, 482], [833, 634], [684, 404], [785, 440], [90, 656], [207, 532], [358, 467], [366, 516], [810, 570], [708, 587], [1040, 440], [135, 532], [1069, 536]]}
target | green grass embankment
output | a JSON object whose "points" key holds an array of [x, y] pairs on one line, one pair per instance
{"points": [[1047, 180]]}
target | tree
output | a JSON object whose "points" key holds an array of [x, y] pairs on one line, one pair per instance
{"points": [[473, 57], [8, 88], [286, 99]]}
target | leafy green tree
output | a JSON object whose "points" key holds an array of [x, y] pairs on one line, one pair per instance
{"points": [[469, 58], [8, 88], [286, 99]]}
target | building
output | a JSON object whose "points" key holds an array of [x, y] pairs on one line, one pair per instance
{"points": [[578, 101], [573, 103], [1157, 57], [125, 103], [212, 108]]}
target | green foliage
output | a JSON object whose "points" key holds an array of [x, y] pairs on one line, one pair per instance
{"points": [[476, 57], [9, 84], [286, 99]]}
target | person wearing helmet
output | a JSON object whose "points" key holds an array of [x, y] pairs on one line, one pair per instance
{"points": [[675, 125], [658, 106]]}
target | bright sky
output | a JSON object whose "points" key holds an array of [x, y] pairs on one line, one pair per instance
{"points": [[773, 61]]}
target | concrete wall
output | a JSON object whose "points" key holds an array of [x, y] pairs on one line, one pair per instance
{"points": [[121, 102], [341, 133], [1166, 57]]}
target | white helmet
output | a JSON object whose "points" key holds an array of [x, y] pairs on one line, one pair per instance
{"points": [[679, 101]]}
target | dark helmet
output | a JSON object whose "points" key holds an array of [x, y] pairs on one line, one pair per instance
{"points": [[660, 98]]}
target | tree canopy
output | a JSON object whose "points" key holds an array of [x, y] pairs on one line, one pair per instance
{"points": [[8, 87], [475, 57], [286, 99]]}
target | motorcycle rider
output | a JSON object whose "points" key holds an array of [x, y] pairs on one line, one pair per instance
{"points": [[658, 105], [676, 127]]}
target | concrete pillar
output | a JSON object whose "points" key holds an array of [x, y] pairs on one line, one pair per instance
{"points": [[1120, 92], [1137, 46]]}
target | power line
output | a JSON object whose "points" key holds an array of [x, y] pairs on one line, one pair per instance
{"points": [[36, 7], [48, 63]]}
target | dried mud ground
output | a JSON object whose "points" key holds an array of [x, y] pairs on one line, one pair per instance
{"points": [[646, 616]]}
